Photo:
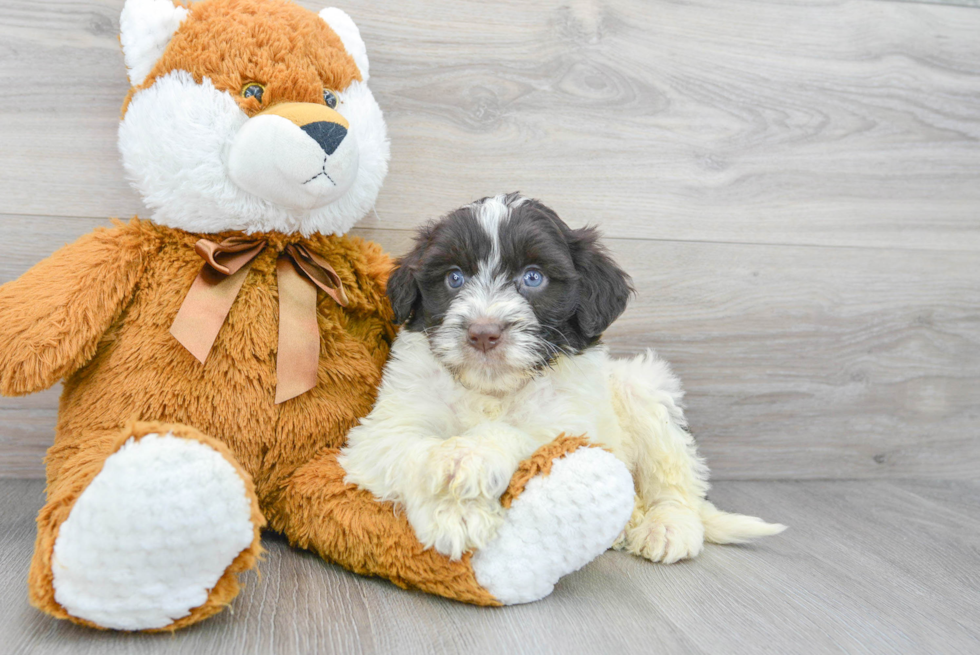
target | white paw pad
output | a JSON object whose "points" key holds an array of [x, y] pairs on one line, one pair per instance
{"points": [[151, 535], [560, 523]]}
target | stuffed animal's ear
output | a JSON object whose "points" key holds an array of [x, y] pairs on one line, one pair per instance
{"points": [[344, 27], [145, 29], [604, 287]]}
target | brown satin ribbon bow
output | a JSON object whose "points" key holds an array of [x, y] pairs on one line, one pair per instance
{"points": [[299, 272]]}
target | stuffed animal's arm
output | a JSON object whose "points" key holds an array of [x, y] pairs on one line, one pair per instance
{"points": [[52, 317]]}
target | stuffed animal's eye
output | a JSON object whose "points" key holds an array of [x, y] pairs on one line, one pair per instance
{"points": [[253, 90], [455, 279], [533, 277], [330, 98]]}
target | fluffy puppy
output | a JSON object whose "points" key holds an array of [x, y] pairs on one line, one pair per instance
{"points": [[503, 306]]}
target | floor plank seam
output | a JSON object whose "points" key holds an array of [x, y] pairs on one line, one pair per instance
{"points": [[709, 242]]}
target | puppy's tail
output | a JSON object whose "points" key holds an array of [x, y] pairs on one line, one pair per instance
{"points": [[726, 528]]}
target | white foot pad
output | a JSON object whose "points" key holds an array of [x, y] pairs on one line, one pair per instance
{"points": [[151, 535], [560, 523]]}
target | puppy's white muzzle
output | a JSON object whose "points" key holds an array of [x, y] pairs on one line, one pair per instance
{"points": [[298, 155]]}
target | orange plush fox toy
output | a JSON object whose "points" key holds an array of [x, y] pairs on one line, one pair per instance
{"points": [[215, 356]]}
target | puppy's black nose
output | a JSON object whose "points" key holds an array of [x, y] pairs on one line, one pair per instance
{"points": [[327, 134], [484, 336]]}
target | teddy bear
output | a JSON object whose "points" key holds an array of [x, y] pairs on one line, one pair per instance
{"points": [[215, 355]]}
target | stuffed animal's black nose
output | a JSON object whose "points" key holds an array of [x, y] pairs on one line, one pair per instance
{"points": [[327, 134], [484, 336]]}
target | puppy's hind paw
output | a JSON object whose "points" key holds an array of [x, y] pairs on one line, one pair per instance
{"points": [[665, 533]]}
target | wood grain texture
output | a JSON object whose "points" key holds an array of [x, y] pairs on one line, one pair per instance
{"points": [[834, 122], [800, 362], [815, 363], [791, 184], [962, 3], [866, 567]]}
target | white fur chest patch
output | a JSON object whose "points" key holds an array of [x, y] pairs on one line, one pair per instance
{"points": [[573, 396]]}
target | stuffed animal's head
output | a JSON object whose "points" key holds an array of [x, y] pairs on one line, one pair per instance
{"points": [[250, 115]]}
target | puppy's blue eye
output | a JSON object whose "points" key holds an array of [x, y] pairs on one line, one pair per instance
{"points": [[330, 98], [533, 277], [455, 279]]}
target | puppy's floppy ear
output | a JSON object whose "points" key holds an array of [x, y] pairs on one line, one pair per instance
{"points": [[604, 289], [403, 287]]}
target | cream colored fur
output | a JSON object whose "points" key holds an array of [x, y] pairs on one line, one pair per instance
{"points": [[445, 452]]}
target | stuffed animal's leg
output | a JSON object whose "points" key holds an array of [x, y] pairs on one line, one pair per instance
{"points": [[145, 529], [565, 505], [672, 518]]}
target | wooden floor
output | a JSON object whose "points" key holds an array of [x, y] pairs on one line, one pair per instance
{"points": [[794, 186], [867, 567]]}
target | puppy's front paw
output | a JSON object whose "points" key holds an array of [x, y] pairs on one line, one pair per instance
{"points": [[454, 526], [665, 533], [464, 526], [467, 469], [458, 509]]}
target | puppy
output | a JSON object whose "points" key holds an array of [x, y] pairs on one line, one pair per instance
{"points": [[503, 306]]}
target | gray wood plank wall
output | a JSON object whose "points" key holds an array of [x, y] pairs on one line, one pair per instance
{"points": [[795, 187]]}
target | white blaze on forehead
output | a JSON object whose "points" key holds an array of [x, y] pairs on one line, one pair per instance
{"points": [[492, 213]]}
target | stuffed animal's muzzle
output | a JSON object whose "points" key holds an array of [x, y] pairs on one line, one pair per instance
{"points": [[299, 155]]}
